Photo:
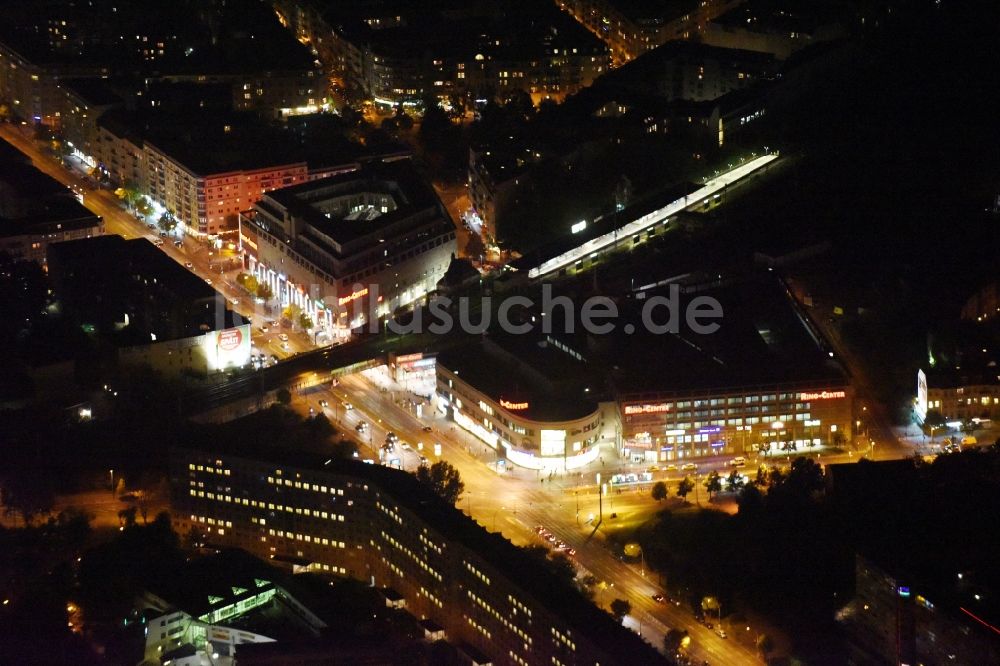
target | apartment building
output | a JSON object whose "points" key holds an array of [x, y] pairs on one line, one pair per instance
{"points": [[381, 526]]}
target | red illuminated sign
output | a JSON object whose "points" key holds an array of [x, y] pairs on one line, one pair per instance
{"points": [[823, 395], [353, 296], [229, 339], [647, 409], [513, 406], [409, 358]]}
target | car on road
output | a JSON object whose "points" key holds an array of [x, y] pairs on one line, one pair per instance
{"points": [[361, 427], [659, 598], [283, 337], [739, 461], [689, 467], [263, 328], [208, 281], [721, 633], [423, 460], [348, 406], [406, 446], [653, 468], [324, 403], [178, 243], [428, 429], [158, 242], [671, 468], [391, 437], [188, 265], [234, 301]]}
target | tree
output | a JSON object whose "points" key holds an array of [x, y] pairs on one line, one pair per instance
{"points": [[291, 312], [129, 194], [685, 488], [620, 608], [838, 439], [765, 645], [305, 321], [248, 282], [443, 479], [762, 477], [167, 222], [673, 640], [283, 396], [142, 206], [933, 418], [27, 495], [264, 291], [659, 491], [126, 517], [562, 567], [735, 481], [713, 483]]}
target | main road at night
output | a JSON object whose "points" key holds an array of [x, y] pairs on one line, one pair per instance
{"points": [[191, 253], [516, 501]]}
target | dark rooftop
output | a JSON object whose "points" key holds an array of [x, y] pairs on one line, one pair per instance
{"points": [[396, 179], [33, 202], [224, 142], [535, 371], [92, 90], [654, 11], [762, 339], [784, 16], [229, 576], [106, 277]]}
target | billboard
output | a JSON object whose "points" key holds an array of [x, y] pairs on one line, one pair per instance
{"points": [[228, 348], [921, 394]]}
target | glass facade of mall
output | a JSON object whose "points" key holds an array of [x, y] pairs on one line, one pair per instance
{"points": [[557, 445], [771, 419]]}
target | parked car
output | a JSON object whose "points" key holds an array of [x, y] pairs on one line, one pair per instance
{"points": [[283, 337]]}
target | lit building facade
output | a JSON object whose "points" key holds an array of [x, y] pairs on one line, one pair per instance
{"points": [[769, 419], [209, 203], [30, 90], [366, 241], [893, 620], [510, 427], [381, 526], [630, 29], [962, 401]]}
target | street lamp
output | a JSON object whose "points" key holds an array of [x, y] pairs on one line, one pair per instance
{"points": [[600, 500], [112, 473]]}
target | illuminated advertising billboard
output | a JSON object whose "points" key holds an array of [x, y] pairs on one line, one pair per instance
{"points": [[921, 394], [228, 348]]}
